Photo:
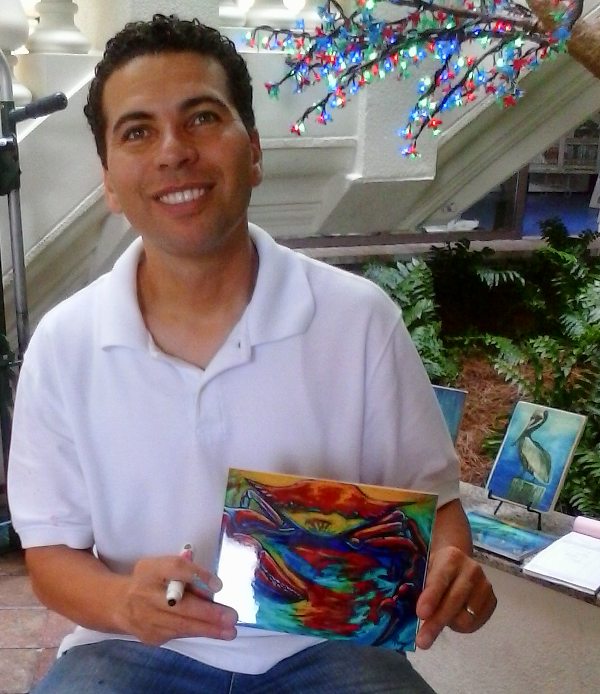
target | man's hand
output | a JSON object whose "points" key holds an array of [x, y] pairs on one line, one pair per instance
{"points": [[457, 594], [79, 586], [144, 612]]}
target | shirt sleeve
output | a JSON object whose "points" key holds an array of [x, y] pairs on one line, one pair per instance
{"points": [[47, 495], [405, 436]]}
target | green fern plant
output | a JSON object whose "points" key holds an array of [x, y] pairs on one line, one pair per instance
{"points": [[582, 486], [475, 290], [538, 319], [410, 285], [562, 369], [494, 277]]}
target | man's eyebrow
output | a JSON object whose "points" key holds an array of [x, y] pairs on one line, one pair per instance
{"points": [[199, 100], [184, 106], [130, 115]]}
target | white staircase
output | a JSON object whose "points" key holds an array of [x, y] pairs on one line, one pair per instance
{"points": [[344, 178]]}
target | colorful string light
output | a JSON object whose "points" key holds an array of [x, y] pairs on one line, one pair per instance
{"points": [[477, 46]]}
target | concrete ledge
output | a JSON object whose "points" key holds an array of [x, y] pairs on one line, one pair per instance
{"points": [[347, 253], [554, 523]]}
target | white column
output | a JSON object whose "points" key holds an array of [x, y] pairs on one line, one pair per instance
{"points": [[276, 13], [56, 32], [14, 30]]}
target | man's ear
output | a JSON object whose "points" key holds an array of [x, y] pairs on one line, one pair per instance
{"points": [[257, 169], [109, 194]]}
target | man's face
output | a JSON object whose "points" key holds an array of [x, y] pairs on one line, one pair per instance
{"points": [[180, 163]]}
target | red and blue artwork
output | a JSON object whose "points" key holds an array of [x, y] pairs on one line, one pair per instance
{"points": [[325, 558]]}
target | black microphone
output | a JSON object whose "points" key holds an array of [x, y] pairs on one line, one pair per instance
{"points": [[39, 107]]}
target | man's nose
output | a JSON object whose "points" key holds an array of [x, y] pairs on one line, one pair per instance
{"points": [[176, 149]]}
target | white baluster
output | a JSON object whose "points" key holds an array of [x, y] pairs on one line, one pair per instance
{"points": [[233, 12], [56, 32], [282, 13], [294, 6], [14, 30]]}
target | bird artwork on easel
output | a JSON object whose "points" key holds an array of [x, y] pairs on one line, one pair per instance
{"points": [[535, 459], [534, 456]]}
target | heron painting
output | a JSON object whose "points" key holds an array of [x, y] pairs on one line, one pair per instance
{"points": [[534, 456], [535, 459]]}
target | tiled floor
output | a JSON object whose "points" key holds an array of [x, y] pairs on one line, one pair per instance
{"points": [[29, 633]]}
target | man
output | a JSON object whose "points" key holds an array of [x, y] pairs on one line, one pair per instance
{"points": [[207, 347]]}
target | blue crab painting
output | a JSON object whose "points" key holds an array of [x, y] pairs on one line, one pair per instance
{"points": [[333, 559]]}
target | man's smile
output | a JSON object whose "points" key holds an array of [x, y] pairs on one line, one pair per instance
{"points": [[177, 197]]}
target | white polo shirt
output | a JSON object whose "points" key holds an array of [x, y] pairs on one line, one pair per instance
{"points": [[118, 445]]}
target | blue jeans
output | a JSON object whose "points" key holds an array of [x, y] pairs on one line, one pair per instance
{"points": [[129, 667]]}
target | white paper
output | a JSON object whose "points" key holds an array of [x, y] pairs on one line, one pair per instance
{"points": [[572, 560]]}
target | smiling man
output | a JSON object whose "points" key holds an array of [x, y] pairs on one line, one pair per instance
{"points": [[209, 346]]}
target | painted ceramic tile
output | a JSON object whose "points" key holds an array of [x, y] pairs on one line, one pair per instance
{"points": [[452, 404], [323, 558], [506, 539], [535, 454]]}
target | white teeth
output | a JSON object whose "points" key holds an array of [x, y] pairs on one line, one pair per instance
{"points": [[182, 196]]}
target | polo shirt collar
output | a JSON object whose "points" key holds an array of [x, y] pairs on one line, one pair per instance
{"points": [[120, 318], [282, 303]]}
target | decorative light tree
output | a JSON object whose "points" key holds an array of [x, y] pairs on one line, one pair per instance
{"points": [[473, 46]]}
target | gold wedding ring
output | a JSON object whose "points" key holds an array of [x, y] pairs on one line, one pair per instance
{"points": [[469, 611]]}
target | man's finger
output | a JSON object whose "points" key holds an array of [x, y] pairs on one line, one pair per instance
{"points": [[442, 573]]}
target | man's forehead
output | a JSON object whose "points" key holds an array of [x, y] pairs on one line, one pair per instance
{"points": [[151, 66], [177, 76]]}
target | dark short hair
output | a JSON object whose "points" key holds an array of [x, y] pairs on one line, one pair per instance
{"points": [[164, 34]]}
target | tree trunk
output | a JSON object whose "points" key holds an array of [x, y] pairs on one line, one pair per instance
{"points": [[584, 44]]}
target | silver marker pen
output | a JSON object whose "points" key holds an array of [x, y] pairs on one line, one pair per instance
{"points": [[175, 589]]}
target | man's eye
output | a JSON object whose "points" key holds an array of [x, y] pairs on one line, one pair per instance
{"points": [[135, 133], [205, 117]]}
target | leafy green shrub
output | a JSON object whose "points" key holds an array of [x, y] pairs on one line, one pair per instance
{"points": [[562, 369], [538, 319], [476, 293], [559, 271], [410, 284]]}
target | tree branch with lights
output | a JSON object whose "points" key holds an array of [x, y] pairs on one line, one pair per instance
{"points": [[477, 47]]}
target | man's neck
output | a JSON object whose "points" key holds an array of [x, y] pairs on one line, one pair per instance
{"points": [[190, 305]]}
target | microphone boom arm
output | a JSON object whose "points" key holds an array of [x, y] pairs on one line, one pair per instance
{"points": [[10, 175]]}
